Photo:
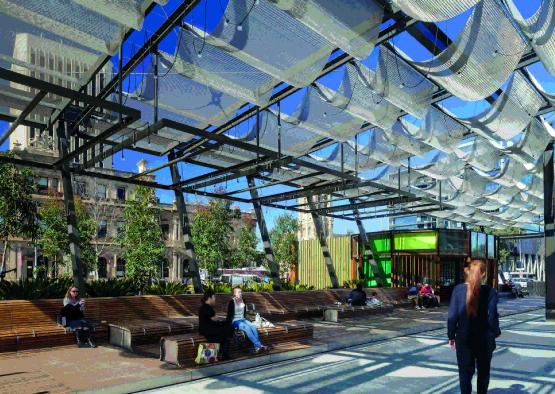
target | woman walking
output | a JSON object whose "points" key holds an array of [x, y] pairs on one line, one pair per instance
{"points": [[472, 326]]}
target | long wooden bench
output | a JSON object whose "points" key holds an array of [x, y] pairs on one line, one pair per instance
{"points": [[345, 311], [310, 303], [181, 350], [30, 324]]}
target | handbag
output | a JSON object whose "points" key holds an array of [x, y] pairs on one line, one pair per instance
{"points": [[207, 353], [263, 323]]}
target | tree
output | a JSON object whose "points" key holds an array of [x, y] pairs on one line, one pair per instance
{"points": [[284, 242], [210, 230], [244, 252], [18, 210], [142, 242], [54, 237]]}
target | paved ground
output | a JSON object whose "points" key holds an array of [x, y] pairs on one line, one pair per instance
{"points": [[113, 370], [524, 362]]}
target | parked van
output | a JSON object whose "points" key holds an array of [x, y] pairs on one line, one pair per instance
{"points": [[241, 279]]}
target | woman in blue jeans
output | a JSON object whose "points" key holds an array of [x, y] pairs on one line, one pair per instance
{"points": [[236, 310]]}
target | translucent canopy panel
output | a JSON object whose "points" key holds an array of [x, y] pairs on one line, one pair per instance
{"points": [[484, 156], [127, 12], [380, 148], [509, 214], [539, 29], [401, 84], [218, 69], [535, 188], [462, 199], [511, 174], [316, 113], [529, 218], [294, 140], [353, 28], [531, 146], [186, 97], [470, 183], [289, 50], [72, 21], [17, 99], [488, 45], [441, 166], [434, 10], [440, 130], [503, 195], [511, 112], [357, 96], [399, 135]]}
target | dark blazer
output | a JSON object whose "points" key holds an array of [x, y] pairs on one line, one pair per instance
{"points": [[485, 326], [231, 310]]}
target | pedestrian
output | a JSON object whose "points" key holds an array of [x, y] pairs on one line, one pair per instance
{"points": [[472, 326]]}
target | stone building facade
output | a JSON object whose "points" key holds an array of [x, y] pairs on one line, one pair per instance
{"points": [[306, 229]]}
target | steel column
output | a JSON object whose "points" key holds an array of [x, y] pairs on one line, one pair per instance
{"points": [[69, 203], [323, 243], [185, 228], [549, 232], [274, 266], [379, 274]]}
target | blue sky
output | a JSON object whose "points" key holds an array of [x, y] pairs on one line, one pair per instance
{"points": [[206, 16]]}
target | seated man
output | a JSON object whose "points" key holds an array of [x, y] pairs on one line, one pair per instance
{"points": [[357, 296], [414, 295], [374, 300]]}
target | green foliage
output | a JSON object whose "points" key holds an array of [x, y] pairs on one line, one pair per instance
{"points": [[244, 252], [54, 238], [169, 288], [258, 287], [142, 242], [210, 230], [284, 242], [350, 284], [18, 210], [217, 287], [295, 286], [27, 289], [111, 287]]}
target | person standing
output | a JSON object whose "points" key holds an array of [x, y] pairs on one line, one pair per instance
{"points": [[473, 326]]}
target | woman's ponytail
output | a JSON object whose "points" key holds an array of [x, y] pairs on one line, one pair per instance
{"points": [[474, 275]]}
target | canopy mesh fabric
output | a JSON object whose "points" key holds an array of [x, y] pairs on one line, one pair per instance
{"points": [[484, 156], [530, 148], [539, 29], [434, 10], [440, 130], [470, 183], [488, 45], [220, 70], [441, 166], [511, 112], [354, 28], [288, 50], [511, 174], [400, 137], [401, 84], [127, 12], [357, 96], [70, 20]]}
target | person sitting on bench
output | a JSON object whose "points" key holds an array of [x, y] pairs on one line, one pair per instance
{"points": [[374, 300], [218, 331], [74, 312], [428, 297], [415, 296], [357, 296], [236, 310]]}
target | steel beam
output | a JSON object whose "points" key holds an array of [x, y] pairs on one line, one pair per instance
{"points": [[379, 274], [69, 203], [23, 115], [549, 232], [185, 228], [264, 234], [318, 225]]}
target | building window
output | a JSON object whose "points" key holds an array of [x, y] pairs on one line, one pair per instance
{"points": [[102, 229], [42, 185], [102, 267], [101, 192], [120, 228], [54, 183], [120, 267], [121, 193], [165, 230], [81, 189]]}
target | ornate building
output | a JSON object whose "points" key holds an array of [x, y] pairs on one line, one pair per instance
{"points": [[306, 229]]}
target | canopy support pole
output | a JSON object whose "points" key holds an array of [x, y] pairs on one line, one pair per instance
{"points": [[323, 243], [69, 204], [379, 274], [185, 228], [268, 251], [549, 232]]}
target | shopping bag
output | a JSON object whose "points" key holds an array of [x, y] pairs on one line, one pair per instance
{"points": [[207, 353]]}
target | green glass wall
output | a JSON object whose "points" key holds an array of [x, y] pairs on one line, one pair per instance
{"points": [[425, 240]]}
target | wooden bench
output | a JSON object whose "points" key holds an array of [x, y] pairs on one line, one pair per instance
{"points": [[181, 350], [30, 324], [396, 296], [310, 303]]}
